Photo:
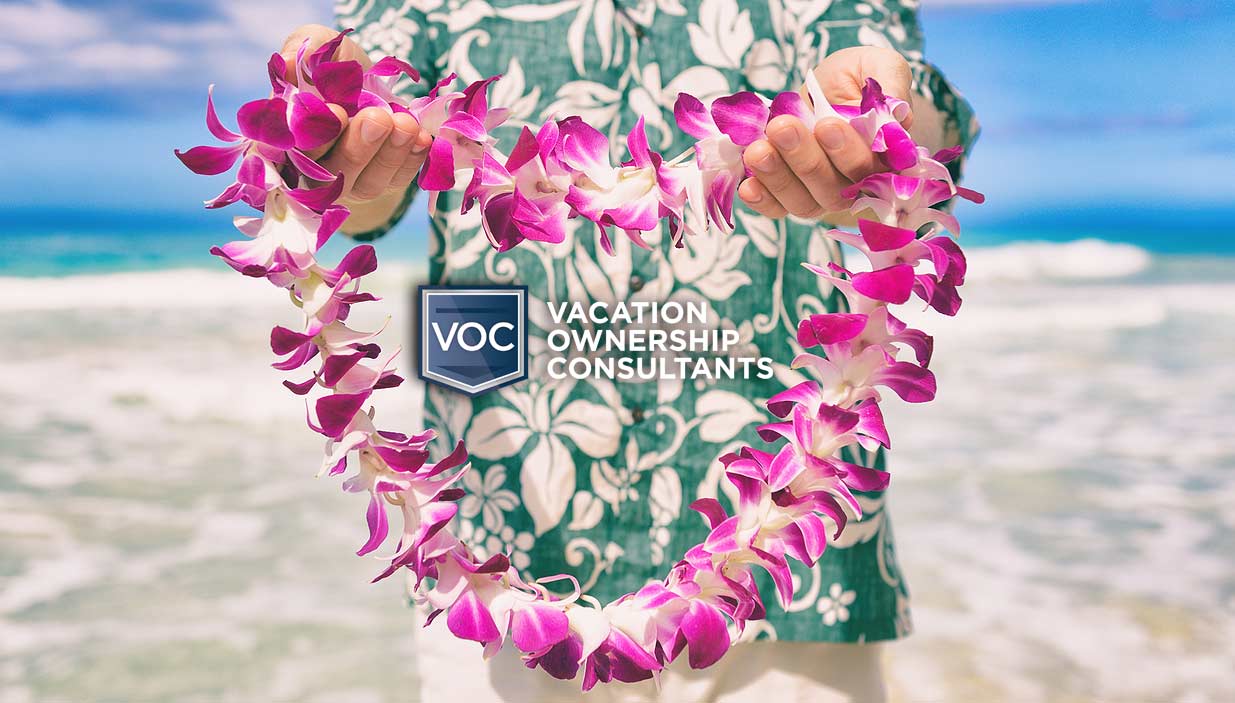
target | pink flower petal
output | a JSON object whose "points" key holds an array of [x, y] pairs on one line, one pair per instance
{"points": [[706, 633], [340, 82], [881, 237], [312, 122], [830, 328], [265, 121], [210, 160], [438, 173], [335, 412], [308, 167], [378, 526], [212, 121], [693, 117], [912, 383], [742, 116], [711, 510], [536, 627], [893, 284], [468, 619], [392, 66], [792, 104]]}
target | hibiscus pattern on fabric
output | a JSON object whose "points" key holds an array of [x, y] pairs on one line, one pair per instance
{"points": [[623, 62]]}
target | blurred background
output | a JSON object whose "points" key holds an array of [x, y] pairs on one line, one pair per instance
{"points": [[1065, 511]]}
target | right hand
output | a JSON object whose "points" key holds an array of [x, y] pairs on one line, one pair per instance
{"points": [[379, 154]]}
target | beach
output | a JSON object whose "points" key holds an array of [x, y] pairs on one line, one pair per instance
{"points": [[1065, 511]]}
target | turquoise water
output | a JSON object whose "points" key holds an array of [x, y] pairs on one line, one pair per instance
{"points": [[67, 242]]}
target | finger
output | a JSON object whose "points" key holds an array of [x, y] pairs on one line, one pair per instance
{"points": [[359, 143], [411, 166], [808, 161], [379, 175], [781, 182], [760, 200], [340, 113], [845, 148]]}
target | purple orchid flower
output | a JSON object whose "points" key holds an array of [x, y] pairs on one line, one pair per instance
{"points": [[633, 197], [525, 198], [285, 238], [273, 128], [460, 123], [888, 246], [723, 132]]}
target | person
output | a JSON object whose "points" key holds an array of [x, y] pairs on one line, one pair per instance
{"points": [[593, 478]]}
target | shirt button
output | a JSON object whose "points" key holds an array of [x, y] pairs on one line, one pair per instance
{"points": [[636, 414], [636, 283]]}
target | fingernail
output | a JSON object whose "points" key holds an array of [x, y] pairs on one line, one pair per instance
{"points": [[371, 131], [399, 137], [766, 164], [786, 138], [757, 197], [832, 137]]}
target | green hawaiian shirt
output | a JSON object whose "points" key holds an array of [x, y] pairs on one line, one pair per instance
{"points": [[593, 478]]}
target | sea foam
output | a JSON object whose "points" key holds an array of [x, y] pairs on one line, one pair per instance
{"points": [[1080, 260]]}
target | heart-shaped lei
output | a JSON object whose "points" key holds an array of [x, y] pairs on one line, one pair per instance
{"points": [[563, 170]]}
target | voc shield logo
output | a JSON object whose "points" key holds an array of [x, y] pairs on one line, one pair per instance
{"points": [[473, 339]]}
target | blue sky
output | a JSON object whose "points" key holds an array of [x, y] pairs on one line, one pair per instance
{"points": [[1093, 112]]}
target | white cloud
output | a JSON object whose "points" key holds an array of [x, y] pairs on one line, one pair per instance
{"points": [[108, 47], [113, 57], [11, 58], [46, 23]]}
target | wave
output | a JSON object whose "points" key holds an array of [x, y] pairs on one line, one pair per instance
{"points": [[1078, 260], [1093, 261]]}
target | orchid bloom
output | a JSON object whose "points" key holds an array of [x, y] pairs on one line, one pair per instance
{"points": [[285, 238], [717, 156], [525, 198], [271, 128], [633, 197], [460, 123]]}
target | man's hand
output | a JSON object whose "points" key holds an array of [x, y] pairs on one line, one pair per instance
{"points": [[802, 174], [378, 153]]}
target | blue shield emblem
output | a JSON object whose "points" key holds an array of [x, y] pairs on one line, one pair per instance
{"points": [[473, 339]]}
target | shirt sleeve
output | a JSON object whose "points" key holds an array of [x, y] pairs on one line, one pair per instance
{"points": [[895, 24], [960, 123], [393, 28]]}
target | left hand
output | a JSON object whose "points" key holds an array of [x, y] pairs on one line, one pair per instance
{"points": [[801, 173]]}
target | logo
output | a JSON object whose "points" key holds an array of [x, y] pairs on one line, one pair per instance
{"points": [[473, 339]]}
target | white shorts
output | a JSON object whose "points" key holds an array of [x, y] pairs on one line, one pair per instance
{"points": [[453, 671]]}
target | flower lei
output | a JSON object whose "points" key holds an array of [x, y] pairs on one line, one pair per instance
{"points": [[559, 172]]}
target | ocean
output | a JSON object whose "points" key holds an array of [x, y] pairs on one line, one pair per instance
{"points": [[1065, 511]]}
